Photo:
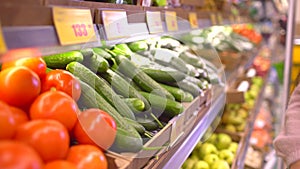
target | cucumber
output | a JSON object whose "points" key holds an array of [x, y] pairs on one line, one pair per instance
{"points": [[101, 86], [148, 124], [138, 46], [122, 87], [88, 52], [128, 138], [96, 63], [138, 127], [179, 94], [60, 61], [170, 108], [105, 55], [191, 59], [136, 105], [202, 83], [164, 75], [144, 81], [188, 87]]}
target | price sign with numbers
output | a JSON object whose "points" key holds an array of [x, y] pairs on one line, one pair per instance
{"points": [[115, 24], [73, 26], [171, 20], [3, 48], [193, 20], [213, 19], [154, 22]]}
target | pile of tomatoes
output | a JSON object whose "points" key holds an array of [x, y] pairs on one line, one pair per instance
{"points": [[39, 118], [248, 32]]}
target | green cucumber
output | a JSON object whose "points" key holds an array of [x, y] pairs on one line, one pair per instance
{"points": [[148, 124], [128, 138], [164, 75], [60, 61], [94, 62], [202, 83], [101, 86], [138, 46], [144, 81], [188, 87], [88, 52], [136, 105], [191, 59], [170, 108], [138, 127], [179, 94], [122, 87], [106, 55]]}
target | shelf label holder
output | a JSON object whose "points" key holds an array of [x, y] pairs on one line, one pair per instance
{"points": [[154, 22], [171, 21], [213, 19], [3, 47], [193, 20]]}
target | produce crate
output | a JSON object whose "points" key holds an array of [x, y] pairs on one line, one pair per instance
{"points": [[167, 138], [231, 60]]}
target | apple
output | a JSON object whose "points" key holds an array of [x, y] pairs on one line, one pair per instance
{"points": [[241, 127], [212, 139], [198, 146], [242, 113], [207, 148], [211, 158], [194, 157], [226, 155], [221, 164], [223, 141], [201, 165], [235, 120], [233, 147], [230, 127], [188, 164]]}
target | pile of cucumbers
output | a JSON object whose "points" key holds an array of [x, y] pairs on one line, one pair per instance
{"points": [[135, 85]]}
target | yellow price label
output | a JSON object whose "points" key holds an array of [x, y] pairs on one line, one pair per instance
{"points": [[220, 19], [171, 20], [3, 47], [73, 26], [154, 22], [115, 24], [193, 20], [213, 19]]}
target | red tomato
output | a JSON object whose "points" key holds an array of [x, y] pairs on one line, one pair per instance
{"points": [[19, 86], [16, 155], [10, 119], [90, 122], [55, 105], [87, 156], [64, 81], [48, 137], [60, 164], [36, 64]]}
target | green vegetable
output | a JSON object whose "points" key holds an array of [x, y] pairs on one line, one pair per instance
{"points": [[122, 49], [148, 124], [170, 108], [96, 63], [145, 82], [60, 61], [188, 87], [162, 76], [138, 46], [179, 94], [101, 86], [191, 59], [127, 139], [136, 105], [140, 128]]}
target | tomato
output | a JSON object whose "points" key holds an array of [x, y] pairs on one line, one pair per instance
{"points": [[10, 119], [19, 86], [87, 156], [36, 64], [90, 122], [48, 137], [60, 164], [16, 155], [55, 105], [64, 81]]}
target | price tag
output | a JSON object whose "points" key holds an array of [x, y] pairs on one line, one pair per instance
{"points": [[193, 20], [115, 24], [154, 22], [220, 19], [73, 26], [3, 47], [171, 20], [213, 19]]}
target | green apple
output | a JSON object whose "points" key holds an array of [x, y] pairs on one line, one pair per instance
{"points": [[188, 164], [233, 147], [201, 165], [242, 113], [223, 141], [235, 120], [194, 156], [198, 146], [241, 127], [230, 127], [207, 148], [212, 139], [221, 164], [226, 155], [211, 158]]}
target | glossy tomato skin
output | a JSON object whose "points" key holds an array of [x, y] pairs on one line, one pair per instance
{"points": [[10, 119], [60, 164], [63, 81], [18, 155], [48, 137], [19, 86], [87, 156], [90, 122], [55, 105], [36, 64]]}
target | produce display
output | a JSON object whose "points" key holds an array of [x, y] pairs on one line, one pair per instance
{"points": [[85, 102], [218, 152]]}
